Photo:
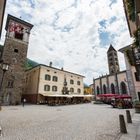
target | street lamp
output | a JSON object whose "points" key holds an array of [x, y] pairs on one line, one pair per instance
{"points": [[4, 67]]}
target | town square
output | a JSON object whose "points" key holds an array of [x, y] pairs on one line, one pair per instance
{"points": [[71, 122], [70, 70]]}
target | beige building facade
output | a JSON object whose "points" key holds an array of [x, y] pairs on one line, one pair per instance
{"points": [[42, 81]]}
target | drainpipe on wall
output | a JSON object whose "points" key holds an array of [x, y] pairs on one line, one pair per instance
{"points": [[117, 85], [94, 90], [107, 81], [100, 85], [38, 86]]}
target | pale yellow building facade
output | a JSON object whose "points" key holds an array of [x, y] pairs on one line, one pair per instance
{"points": [[42, 81]]}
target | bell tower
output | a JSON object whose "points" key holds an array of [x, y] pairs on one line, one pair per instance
{"points": [[113, 62], [15, 54]]}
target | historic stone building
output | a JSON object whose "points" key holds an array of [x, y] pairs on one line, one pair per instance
{"points": [[14, 54], [116, 81], [44, 81]]}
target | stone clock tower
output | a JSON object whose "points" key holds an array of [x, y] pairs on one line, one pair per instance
{"points": [[15, 54]]}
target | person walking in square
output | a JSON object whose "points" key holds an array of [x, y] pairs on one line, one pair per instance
{"points": [[23, 101]]}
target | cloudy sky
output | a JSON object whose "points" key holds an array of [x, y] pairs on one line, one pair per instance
{"points": [[73, 34]]}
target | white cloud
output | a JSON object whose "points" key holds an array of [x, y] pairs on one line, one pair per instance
{"points": [[67, 32]]}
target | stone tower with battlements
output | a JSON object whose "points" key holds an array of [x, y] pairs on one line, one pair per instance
{"points": [[15, 54]]}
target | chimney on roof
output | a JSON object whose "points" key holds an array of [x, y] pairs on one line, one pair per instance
{"points": [[62, 68], [50, 64]]}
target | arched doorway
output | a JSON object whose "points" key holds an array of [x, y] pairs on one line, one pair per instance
{"points": [[112, 88], [104, 89], [123, 88], [98, 91]]}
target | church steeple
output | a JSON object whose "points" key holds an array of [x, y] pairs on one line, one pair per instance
{"points": [[113, 63], [111, 48]]}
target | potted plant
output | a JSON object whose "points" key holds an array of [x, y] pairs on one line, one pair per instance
{"points": [[137, 106]]}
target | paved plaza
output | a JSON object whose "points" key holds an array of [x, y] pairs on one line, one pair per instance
{"points": [[71, 122]]}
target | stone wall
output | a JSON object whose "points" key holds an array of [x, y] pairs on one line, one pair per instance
{"points": [[14, 53]]}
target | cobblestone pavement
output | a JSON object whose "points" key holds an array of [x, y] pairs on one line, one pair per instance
{"points": [[71, 122]]}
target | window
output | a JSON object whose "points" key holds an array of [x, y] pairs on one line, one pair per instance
{"points": [[47, 77], [55, 78], [78, 82], [112, 71], [112, 88], [54, 88], [104, 89], [71, 89], [71, 82], [10, 84], [46, 87], [137, 55], [110, 54], [123, 88], [98, 90], [110, 63], [16, 50], [137, 76], [79, 90]]}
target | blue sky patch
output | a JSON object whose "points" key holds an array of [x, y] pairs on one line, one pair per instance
{"points": [[32, 3], [105, 38], [112, 2], [113, 19], [103, 23]]}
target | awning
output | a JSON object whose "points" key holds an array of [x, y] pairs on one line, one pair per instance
{"points": [[68, 96]]}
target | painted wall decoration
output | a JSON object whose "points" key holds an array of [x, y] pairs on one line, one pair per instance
{"points": [[18, 31]]}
